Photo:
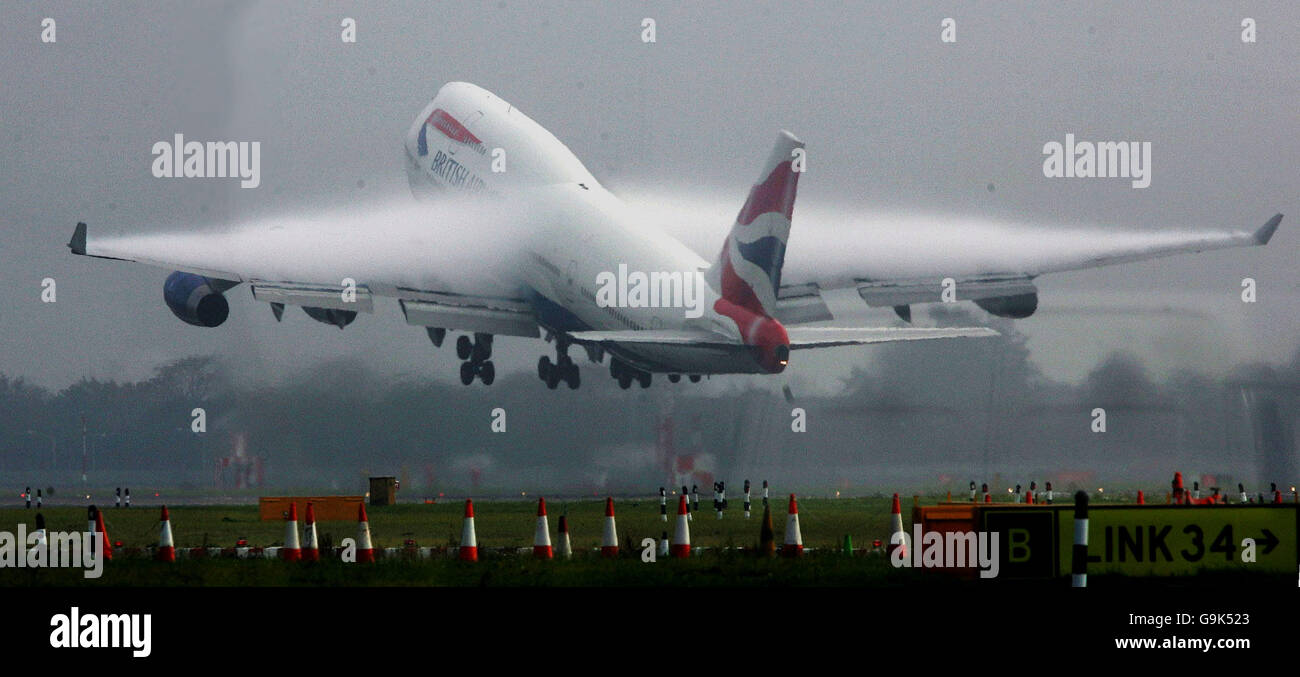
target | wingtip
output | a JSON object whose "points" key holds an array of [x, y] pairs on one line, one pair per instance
{"points": [[1265, 232], [78, 242]]}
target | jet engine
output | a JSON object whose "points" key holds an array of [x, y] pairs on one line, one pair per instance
{"points": [[195, 299]]}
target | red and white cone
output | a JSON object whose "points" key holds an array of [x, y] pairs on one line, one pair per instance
{"points": [[566, 549], [1142, 499], [609, 539], [468, 551], [310, 543], [365, 549], [793, 538], [682, 534], [542, 537], [291, 551], [97, 526], [166, 548], [898, 537]]}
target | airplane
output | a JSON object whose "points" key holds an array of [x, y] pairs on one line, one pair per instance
{"points": [[574, 264]]}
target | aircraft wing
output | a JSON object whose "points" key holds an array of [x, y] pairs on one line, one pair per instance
{"points": [[986, 264], [800, 337], [900, 258], [465, 284]]}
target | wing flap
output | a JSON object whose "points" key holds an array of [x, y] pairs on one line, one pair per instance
{"points": [[668, 337], [484, 315], [800, 304], [313, 296], [802, 338], [906, 292]]}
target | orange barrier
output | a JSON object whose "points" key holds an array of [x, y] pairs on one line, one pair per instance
{"points": [[324, 508]]}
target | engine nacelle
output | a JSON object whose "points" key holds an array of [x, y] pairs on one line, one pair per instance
{"points": [[338, 318], [195, 300], [1016, 307]]}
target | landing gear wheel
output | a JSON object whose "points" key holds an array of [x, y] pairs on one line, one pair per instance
{"points": [[553, 378], [543, 367], [466, 373], [615, 368], [644, 379], [571, 376], [695, 378], [487, 373], [463, 347], [482, 351], [624, 380], [674, 378]]}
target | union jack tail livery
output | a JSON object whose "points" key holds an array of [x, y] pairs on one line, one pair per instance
{"points": [[747, 271]]}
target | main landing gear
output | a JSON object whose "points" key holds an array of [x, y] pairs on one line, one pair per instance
{"points": [[625, 373], [563, 369], [477, 356]]}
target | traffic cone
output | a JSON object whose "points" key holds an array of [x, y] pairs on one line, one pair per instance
{"points": [[365, 549], [566, 550], [1179, 493], [682, 536], [949, 499], [609, 539], [664, 545], [1142, 499], [542, 538], [97, 524], [40, 531], [1029, 497], [793, 539], [311, 545], [468, 551], [766, 536], [166, 548], [291, 551], [898, 537]]}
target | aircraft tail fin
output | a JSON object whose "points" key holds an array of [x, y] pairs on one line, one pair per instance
{"points": [[747, 271]]}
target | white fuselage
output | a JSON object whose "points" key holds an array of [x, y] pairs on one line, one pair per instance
{"points": [[579, 235]]}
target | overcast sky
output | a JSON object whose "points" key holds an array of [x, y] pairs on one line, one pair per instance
{"points": [[893, 119]]}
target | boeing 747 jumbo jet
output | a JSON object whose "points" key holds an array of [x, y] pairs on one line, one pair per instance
{"points": [[565, 259]]}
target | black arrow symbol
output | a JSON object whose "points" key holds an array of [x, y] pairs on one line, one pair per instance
{"points": [[1270, 541]]}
